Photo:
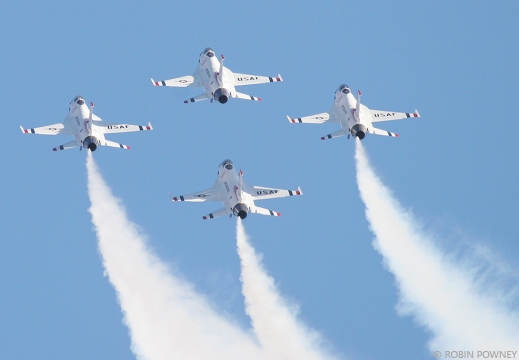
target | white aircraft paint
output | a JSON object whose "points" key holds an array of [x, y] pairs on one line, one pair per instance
{"points": [[87, 129], [237, 195], [218, 81], [355, 119]]}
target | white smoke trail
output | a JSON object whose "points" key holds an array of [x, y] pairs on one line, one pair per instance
{"points": [[275, 323], [441, 294], [166, 318]]}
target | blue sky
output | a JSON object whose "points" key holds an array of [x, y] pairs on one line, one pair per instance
{"points": [[455, 167]]}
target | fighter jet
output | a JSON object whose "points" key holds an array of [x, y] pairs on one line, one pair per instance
{"points": [[237, 195], [218, 82], [356, 119], [88, 129]]}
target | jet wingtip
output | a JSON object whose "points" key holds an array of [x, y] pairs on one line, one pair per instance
{"points": [[279, 77], [416, 113], [290, 120]]}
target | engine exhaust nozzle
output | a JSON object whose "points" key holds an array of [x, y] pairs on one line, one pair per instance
{"points": [[90, 142], [359, 131], [241, 210], [222, 95]]}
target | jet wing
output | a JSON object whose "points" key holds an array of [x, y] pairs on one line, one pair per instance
{"points": [[199, 196], [53, 129], [314, 119], [121, 128], [246, 79], [183, 81], [379, 115], [262, 193]]}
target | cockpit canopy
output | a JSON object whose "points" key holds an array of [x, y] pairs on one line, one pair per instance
{"points": [[208, 52], [227, 164], [344, 89], [79, 100]]}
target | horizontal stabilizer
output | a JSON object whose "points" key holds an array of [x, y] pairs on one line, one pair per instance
{"points": [[215, 214], [382, 132], [69, 145], [114, 144], [263, 211], [197, 98], [334, 134], [239, 95]]}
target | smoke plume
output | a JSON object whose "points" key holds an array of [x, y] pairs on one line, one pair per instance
{"points": [[441, 294], [166, 317], [275, 323]]}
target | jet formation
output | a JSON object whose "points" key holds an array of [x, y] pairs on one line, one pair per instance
{"points": [[87, 129], [219, 82], [355, 118], [237, 195]]}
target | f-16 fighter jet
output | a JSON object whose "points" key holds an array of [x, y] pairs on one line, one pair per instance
{"points": [[356, 119], [237, 195], [88, 129], [218, 82]]}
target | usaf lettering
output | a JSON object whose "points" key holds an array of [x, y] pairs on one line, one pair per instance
{"points": [[248, 78], [266, 192], [383, 115], [117, 126]]}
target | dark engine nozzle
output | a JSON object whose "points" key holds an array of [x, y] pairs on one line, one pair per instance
{"points": [[359, 131], [222, 95], [91, 143], [241, 210]]}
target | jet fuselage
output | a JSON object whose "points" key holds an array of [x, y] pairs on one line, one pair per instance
{"points": [[345, 109], [79, 122], [236, 201], [216, 79]]}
